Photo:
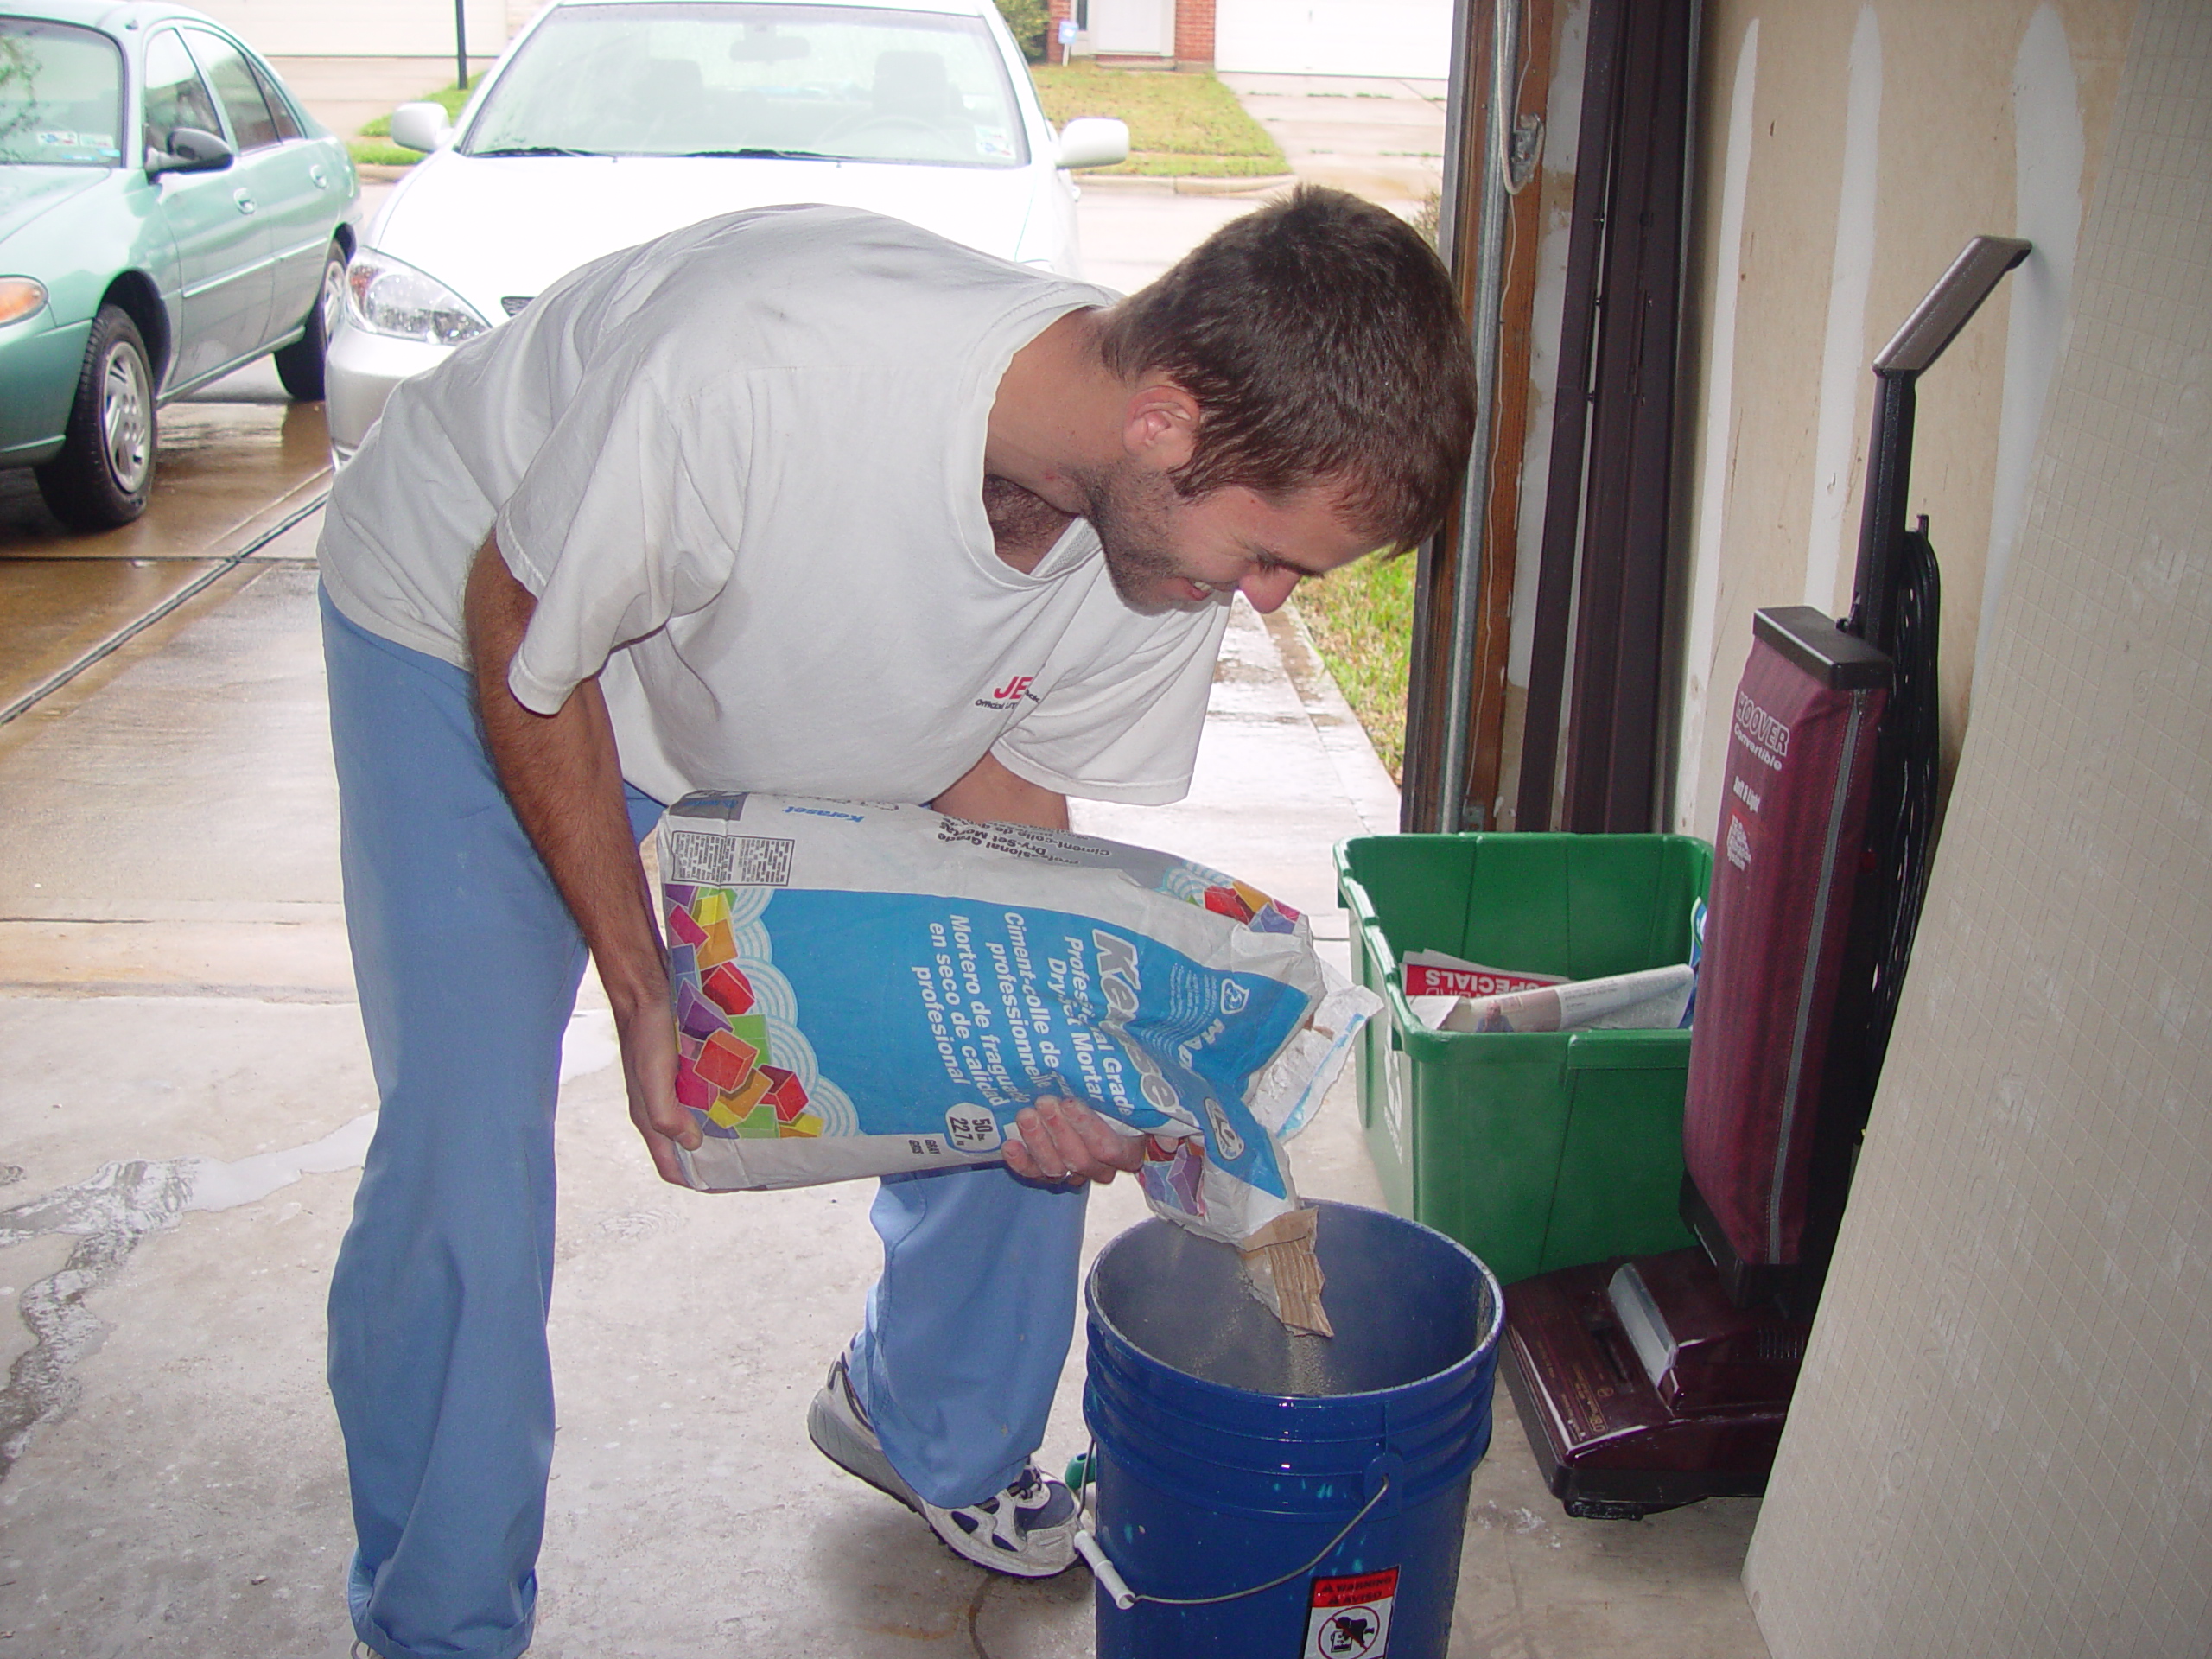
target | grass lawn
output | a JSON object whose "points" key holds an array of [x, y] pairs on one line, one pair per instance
{"points": [[1362, 620], [1180, 124]]}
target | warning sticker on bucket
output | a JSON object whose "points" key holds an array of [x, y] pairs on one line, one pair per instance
{"points": [[1350, 1617]]}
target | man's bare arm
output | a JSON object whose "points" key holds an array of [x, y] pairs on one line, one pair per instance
{"points": [[1062, 1140], [991, 794], [564, 779]]}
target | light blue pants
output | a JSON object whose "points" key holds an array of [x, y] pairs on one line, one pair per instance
{"points": [[468, 964]]}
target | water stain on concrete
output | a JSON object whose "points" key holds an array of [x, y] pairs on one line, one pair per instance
{"points": [[120, 1204], [110, 1213]]}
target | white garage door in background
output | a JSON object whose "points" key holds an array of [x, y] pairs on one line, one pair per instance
{"points": [[1140, 28], [365, 28], [1411, 38]]}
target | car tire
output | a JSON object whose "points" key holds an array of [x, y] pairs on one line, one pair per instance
{"points": [[105, 470], [299, 365]]}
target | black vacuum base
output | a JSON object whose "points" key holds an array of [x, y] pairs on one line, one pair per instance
{"points": [[1611, 1445]]}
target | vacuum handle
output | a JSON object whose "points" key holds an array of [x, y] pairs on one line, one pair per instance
{"points": [[1936, 321]]}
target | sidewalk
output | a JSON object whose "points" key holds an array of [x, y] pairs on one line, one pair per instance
{"points": [[185, 1106]]}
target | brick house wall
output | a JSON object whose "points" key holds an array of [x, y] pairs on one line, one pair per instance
{"points": [[1194, 32]]}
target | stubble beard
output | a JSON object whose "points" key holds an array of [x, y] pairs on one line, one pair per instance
{"points": [[1128, 506]]}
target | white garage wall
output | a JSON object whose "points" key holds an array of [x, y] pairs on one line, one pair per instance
{"points": [[1412, 38], [363, 28]]}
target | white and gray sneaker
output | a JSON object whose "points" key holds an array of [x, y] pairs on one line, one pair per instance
{"points": [[1027, 1530]]}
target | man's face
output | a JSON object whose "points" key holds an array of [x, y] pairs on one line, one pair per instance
{"points": [[1165, 551]]}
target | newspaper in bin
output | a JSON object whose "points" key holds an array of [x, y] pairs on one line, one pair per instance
{"points": [[1655, 999]]}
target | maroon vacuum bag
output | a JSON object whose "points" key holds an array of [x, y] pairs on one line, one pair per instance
{"points": [[1800, 754]]}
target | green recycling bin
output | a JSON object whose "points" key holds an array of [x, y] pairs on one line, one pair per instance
{"points": [[1535, 1150]]}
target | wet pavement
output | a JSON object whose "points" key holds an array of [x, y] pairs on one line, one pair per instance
{"points": [[228, 474], [187, 1098], [238, 472]]}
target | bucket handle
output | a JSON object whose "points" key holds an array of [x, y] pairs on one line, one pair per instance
{"points": [[1117, 1589]]}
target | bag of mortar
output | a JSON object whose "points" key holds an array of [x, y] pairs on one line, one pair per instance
{"points": [[863, 989]]}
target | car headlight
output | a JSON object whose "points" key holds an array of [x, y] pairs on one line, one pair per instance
{"points": [[20, 297], [390, 296]]}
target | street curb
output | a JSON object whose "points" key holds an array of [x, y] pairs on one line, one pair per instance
{"points": [[1367, 784], [1183, 184]]}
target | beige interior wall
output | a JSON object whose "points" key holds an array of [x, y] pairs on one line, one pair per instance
{"points": [[1943, 171], [2002, 1442]]}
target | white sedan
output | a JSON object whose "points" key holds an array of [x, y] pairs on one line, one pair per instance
{"points": [[610, 121]]}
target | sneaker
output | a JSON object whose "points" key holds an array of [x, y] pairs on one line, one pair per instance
{"points": [[1027, 1530]]}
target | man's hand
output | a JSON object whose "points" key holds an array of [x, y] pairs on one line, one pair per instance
{"points": [[563, 777], [648, 1041], [1064, 1141]]}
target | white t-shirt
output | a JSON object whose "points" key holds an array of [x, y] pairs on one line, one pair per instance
{"points": [[742, 470]]}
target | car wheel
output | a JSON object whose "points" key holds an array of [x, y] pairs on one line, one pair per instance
{"points": [[299, 365], [105, 469]]}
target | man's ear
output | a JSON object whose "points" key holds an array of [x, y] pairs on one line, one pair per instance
{"points": [[1159, 425]]}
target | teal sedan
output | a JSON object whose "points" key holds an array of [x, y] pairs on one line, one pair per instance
{"points": [[168, 213]]}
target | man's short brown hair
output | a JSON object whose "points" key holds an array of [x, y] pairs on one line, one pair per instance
{"points": [[1323, 343]]}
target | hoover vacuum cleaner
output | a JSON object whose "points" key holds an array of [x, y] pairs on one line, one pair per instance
{"points": [[1649, 1383]]}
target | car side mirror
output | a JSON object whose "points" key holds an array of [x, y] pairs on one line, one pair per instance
{"points": [[189, 149], [420, 126], [1094, 141]]}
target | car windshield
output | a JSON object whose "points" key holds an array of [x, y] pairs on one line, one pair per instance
{"points": [[61, 95], [844, 83]]}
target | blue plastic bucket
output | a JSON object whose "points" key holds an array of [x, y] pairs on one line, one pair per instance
{"points": [[1231, 1454]]}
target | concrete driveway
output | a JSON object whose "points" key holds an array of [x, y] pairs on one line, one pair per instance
{"points": [[1381, 138], [186, 1099], [184, 1111]]}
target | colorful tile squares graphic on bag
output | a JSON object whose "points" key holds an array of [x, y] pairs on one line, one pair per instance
{"points": [[691, 1089], [695, 1015], [1248, 904], [726, 1059], [715, 946], [728, 989], [785, 1093], [732, 1109], [752, 1029]]}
